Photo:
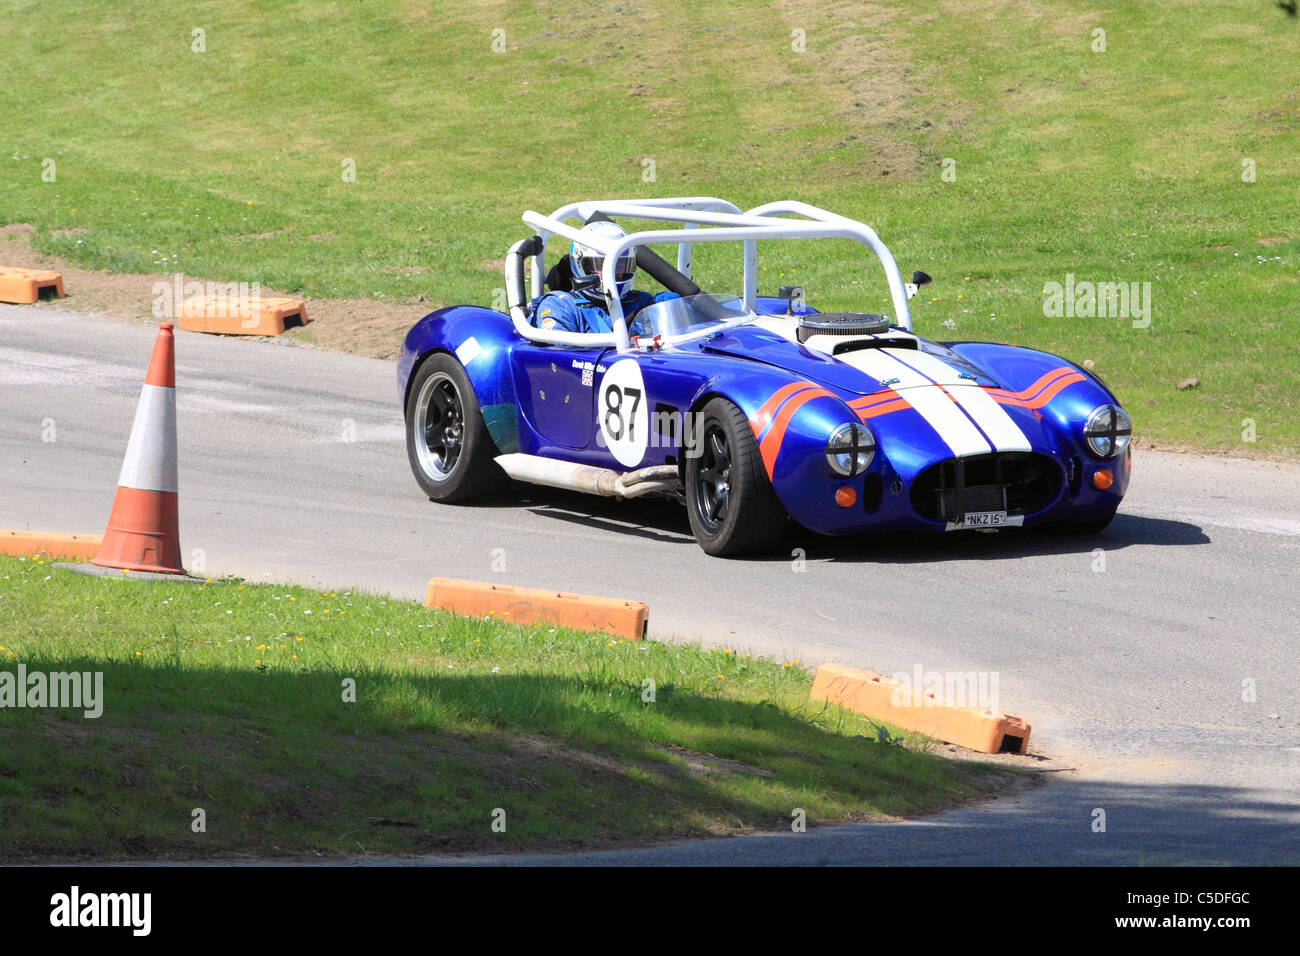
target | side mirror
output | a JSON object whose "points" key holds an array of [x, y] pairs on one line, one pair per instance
{"points": [[919, 279], [792, 294]]}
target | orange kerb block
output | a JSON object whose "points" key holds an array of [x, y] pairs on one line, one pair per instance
{"points": [[233, 316], [924, 713], [25, 286], [81, 547], [582, 612]]}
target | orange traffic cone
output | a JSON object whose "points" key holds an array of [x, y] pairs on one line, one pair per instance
{"points": [[143, 530]]}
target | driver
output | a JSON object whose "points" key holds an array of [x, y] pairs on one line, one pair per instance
{"points": [[583, 309]]}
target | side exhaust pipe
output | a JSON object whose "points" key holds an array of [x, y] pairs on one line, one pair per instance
{"points": [[589, 479]]}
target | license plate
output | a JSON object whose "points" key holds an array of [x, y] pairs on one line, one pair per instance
{"points": [[984, 519]]}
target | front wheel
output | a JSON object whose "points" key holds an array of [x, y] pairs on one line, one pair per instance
{"points": [[447, 443], [729, 499]]}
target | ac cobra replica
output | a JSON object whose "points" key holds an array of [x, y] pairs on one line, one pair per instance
{"points": [[753, 409]]}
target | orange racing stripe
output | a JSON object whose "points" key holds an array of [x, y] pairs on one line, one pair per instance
{"points": [[1007, 398], [881, 403], [884, 408], [1038, 386], [885, 395], [771, 445], [763, 417]]}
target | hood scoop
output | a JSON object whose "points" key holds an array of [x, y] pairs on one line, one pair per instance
{"points": [[840, 323]]}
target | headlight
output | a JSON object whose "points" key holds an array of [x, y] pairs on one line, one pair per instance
{"points": [[1107, 431], [850, 449]]}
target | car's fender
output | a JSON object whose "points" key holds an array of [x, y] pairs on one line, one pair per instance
{"points": [[791, 418], [481, 340], [1018, 367], [1054, 393]]}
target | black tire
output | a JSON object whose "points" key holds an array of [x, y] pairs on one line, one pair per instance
{"points": [[729, 499], [447, 443]]}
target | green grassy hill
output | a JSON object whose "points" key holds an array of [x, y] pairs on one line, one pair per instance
{"points": [[1117, 165]]}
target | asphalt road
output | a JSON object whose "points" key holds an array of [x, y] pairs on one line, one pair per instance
{"points": [[1128, 661]]}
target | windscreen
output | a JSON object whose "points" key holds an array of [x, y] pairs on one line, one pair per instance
{"points": [[692, 314]]}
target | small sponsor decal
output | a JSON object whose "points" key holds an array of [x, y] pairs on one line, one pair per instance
{"points": [[588, 370], [468, 350]]}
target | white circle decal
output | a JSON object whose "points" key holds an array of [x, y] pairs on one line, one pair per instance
{"points": [[621, 407]]}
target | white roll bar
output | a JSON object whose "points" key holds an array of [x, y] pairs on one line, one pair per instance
{"points": [[865, 234], [683, 202], [725, 223]]}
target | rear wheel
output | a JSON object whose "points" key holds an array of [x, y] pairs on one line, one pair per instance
{"points": [[729, 499], [450, 451]]}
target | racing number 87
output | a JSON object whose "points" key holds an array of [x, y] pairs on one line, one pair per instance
{"points": [[615, 397]]}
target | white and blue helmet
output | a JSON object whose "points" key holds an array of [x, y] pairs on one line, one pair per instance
{"points": [[587, 262]]}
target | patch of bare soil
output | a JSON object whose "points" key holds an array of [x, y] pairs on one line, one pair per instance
{"points": [[704, 765], [371, 327], [868, 79]]}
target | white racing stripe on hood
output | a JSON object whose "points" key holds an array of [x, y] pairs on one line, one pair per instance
{"points": [[977, 403], [930, 401]]}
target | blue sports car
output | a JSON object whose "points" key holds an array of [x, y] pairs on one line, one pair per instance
{"points": [[751, 409]]}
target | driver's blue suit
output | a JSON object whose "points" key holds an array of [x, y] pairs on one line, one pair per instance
{"points": [[574, 312]]}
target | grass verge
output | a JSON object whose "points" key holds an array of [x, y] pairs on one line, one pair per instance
{"points": [[229, 698]]}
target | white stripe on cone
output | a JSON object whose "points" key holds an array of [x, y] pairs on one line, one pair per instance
{"points": [[150, 462]]}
